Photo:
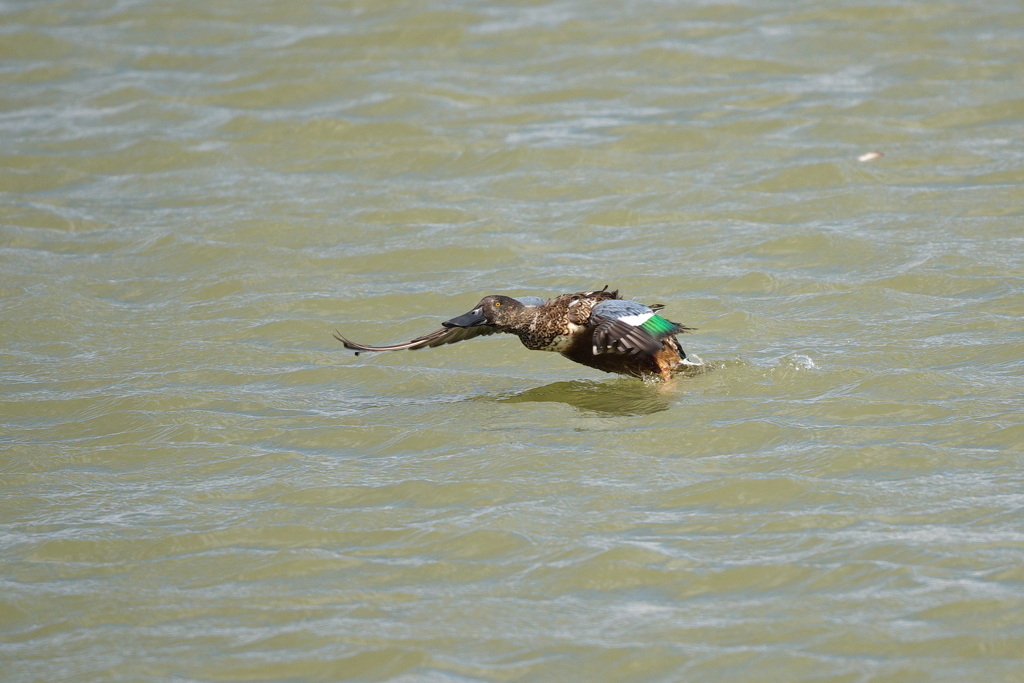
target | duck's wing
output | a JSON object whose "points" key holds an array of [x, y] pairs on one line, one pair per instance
{"points": [[448, 335], [629, 327], [530, 301]]}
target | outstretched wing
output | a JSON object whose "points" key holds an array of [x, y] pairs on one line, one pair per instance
{"points": [[629, 327], [448, 335]]}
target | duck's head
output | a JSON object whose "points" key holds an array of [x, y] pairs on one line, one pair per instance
{"points": [[495, 310]]}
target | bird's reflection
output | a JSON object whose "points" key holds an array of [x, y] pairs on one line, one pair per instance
{"points": [[617, 397]]}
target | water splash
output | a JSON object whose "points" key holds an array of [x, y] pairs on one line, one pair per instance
{"points": [[799, 361]]}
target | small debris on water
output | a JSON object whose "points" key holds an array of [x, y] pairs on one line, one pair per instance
{"points": [[870, 156]]}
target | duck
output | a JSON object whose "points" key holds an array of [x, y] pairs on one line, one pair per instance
{"points": [[598, 329]]}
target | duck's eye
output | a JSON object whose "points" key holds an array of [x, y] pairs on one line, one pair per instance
{"points": [[497, 303], [574, 299]]}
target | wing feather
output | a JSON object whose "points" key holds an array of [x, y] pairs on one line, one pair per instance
{"points": [[616, 336], [440, 337]]}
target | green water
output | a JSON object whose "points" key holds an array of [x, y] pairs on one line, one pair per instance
{"points": [[200, 484]]}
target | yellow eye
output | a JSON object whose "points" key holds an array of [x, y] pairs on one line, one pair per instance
{"points": [[497, 303]]}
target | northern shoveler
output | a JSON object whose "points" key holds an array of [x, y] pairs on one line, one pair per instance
{"points": [[598, 329]]}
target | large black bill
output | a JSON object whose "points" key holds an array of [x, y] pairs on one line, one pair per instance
{"points": [[471, 319]]}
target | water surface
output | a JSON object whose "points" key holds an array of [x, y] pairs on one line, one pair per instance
{"points": [[200, 484]]}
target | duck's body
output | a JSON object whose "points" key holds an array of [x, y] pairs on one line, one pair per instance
{"points": [[597, 329]]}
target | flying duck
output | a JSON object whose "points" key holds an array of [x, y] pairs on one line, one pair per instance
{"points": [[597, 329]]}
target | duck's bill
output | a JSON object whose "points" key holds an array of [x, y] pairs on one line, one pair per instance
{"points": [[471, 319]]}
